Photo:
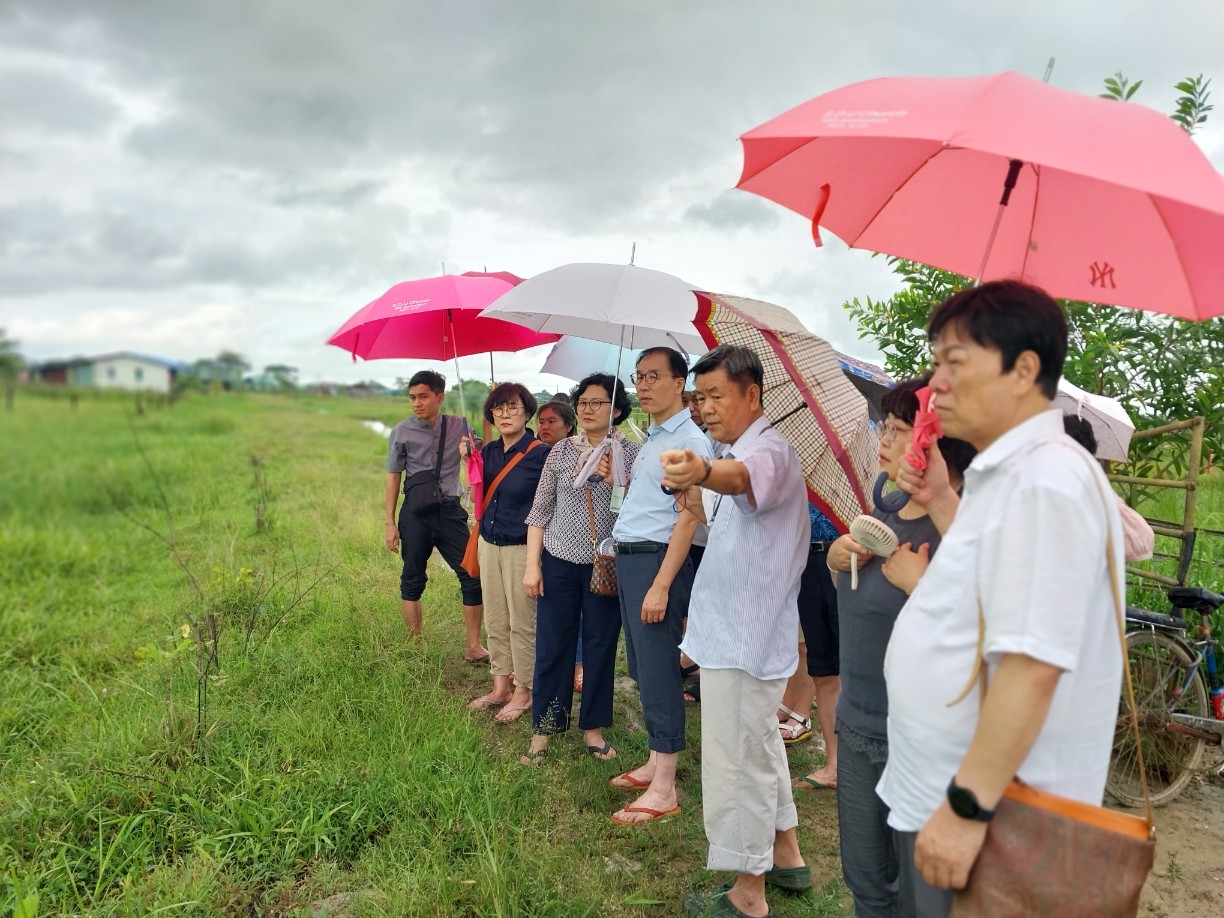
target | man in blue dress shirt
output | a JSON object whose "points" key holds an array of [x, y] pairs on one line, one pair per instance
{"points": [[655, 575]]}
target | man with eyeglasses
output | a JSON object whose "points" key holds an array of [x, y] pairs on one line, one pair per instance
{"points": [[655, 575], [414, 447]]}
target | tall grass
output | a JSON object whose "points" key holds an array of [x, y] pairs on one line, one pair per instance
{"points": [[331, 759]]}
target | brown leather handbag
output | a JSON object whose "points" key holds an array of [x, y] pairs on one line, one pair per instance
{"points": [[1047, 855], [603, 568], [471, 551]]}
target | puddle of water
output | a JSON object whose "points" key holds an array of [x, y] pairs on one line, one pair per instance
{"points": [[378, 427]]}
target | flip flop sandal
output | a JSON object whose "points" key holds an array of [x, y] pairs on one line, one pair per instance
{"points": [[631, 783], [485, 704], [477, 661], [655, 815], [686, 671], [807, 782], [516, 713], [532, 759], [600, 753]]}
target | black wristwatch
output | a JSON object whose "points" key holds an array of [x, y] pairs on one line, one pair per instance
{"points": [[965, 804]]}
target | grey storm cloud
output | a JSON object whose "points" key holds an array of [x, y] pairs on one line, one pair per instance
{"points": [[295, 151], [53, 102], [734, 210]]}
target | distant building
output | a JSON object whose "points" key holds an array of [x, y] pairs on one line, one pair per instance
{"points": [[122, 370]]}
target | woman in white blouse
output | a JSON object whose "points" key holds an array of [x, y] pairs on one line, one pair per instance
{"points": [[560, 555]]}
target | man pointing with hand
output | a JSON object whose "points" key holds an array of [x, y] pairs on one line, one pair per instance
{"points": [[743, 618]]}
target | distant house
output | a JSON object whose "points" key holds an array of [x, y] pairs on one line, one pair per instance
{"points": [[121, 370]]}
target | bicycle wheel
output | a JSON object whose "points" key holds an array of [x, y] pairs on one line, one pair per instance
{"points": [[1159, 668]]}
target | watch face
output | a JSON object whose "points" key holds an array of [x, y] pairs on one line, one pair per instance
{"points": [[963, 803]]}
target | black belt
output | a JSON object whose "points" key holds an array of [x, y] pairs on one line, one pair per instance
{"points": [[638, 548], [817, 547]]}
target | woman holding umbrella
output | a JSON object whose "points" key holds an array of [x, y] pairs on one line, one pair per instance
{"points": [[512, 465], [560, 555]]}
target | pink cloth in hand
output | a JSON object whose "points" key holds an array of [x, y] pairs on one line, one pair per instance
{"points": [[926, 429]]}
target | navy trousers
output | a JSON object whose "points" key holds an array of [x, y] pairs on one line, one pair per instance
{"points": [[653, 651], [568, 608]]}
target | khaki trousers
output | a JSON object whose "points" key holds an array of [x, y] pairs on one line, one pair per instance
{"points": [[745, 782], [510, 617]]}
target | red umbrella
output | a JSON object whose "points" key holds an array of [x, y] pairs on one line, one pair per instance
{"points": [[435, 318], [1102, 201]]}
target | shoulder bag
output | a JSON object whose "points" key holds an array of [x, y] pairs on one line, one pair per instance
{"points": [[1049, 855], [471, 553], [423, 490], [603, 568]]}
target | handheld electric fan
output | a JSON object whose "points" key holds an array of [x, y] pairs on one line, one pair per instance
{"points": [[926, 432], [874, 536]]}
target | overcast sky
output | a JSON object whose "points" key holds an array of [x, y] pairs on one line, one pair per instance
{"points": [[184, 177]]}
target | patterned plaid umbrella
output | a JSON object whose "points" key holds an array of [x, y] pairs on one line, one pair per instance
{"points": [[807, 398]]}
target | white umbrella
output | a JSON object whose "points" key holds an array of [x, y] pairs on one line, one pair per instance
{"points": [[573, 358], [1110, 422], [625, 305]]}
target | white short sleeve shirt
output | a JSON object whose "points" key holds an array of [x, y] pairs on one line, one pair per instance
{"points": [[1027, 547]]}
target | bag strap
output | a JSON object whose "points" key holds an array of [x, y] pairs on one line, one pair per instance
{"points": [[441, 446], [591, 516], [979, 674], [488, 495]]}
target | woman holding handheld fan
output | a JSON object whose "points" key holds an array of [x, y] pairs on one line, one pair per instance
{"points": [[867, 614]]}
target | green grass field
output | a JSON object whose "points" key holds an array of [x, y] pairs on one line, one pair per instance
{"points": [[329, 756]]}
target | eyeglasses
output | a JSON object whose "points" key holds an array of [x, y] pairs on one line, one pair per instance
{"points": [[507, 410], [651, 377], [890, 430], [594, 404]]}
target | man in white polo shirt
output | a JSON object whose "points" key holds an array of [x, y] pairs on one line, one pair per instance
{"points": [[743, 617], [1024, 549]]}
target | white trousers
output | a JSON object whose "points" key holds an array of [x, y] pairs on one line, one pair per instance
{"points": [[745, 781]]}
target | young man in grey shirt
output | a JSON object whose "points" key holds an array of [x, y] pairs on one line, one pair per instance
{"points": [[414, 448]]}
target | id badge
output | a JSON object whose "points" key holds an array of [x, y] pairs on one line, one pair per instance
{"points": [[618, 498]]}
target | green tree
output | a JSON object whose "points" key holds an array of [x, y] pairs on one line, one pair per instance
{"points": [[1161, 369], [286, 376], [232, 361], [474, 394], [11, 360]]}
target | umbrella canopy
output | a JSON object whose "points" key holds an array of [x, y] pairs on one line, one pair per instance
{"points": [[435, 318], [1110, 423], [1112, 202], [807, 398], [573, 358], [619, 304]]}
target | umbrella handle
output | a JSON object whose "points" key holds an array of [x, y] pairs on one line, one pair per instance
{"points": [[888, 503]]}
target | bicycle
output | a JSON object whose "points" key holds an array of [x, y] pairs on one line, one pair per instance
{"points": [[1179, 705]]}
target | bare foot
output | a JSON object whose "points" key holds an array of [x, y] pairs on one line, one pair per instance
{"points": [[518, 705], [654, 799], [597, 746], [636, 779], [491, 700]]}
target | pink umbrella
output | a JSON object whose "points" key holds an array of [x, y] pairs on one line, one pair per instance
{"points": [[436, 318], [1102, 201]]}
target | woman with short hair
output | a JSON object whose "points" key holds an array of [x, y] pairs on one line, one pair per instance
{"points": [[556, 420], [560, 558], [868, 846], [510, 616]]}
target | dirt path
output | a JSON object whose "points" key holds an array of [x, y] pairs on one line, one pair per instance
{"points": [[1187, 879]]}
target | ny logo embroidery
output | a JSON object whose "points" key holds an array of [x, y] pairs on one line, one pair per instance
{"points": [[1102, 274]]}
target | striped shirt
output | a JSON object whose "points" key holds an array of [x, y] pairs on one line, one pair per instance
{"points": [[744, 609]]}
